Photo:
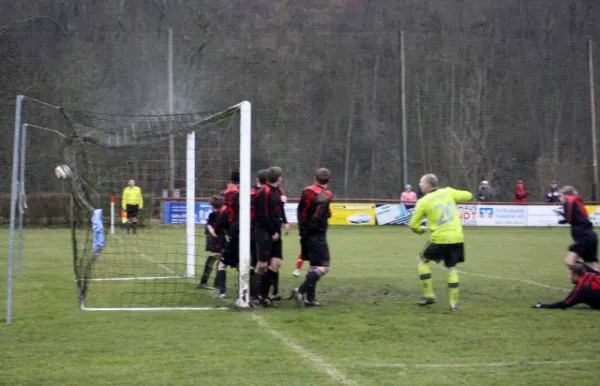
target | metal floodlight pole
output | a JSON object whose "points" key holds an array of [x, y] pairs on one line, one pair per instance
{"points": [[171, 137], [593, 120], [22, 204], [13, 206], [403, 101]]}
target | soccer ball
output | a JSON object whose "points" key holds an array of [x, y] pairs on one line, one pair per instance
{"points": [[62, 172]]}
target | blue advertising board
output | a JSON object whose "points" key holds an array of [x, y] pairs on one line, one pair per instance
{"points": [[175, 212]]}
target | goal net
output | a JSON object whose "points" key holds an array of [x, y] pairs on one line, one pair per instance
{"points": [[178, 161]]}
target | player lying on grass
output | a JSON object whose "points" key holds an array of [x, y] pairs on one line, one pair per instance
{"points": [[446, 242], [217, 226], [585, 245], [586, 291], [313, 218]]}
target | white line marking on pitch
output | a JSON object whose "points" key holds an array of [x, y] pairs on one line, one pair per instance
{"points": [[489, 364], [333, 373], [509, 279], [144, 256]]}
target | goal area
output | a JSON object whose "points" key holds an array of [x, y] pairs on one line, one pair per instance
{"points": [[177, 160]]}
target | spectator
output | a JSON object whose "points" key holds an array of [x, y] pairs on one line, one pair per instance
{"points": [[408, 196], [553, 195], [485, 192], [520, 193]]}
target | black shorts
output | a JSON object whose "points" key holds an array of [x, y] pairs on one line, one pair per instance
{"points": [[450, 254], [231, 253], [266, 248], [132, 210], [316, 250], [586, 247], [253, 260], [215, 244]]}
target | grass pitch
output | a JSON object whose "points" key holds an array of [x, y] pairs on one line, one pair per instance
{"points": [[370, 333]]}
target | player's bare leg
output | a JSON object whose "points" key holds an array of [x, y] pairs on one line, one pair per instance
{"points": [[572, 258], [426, 283]]}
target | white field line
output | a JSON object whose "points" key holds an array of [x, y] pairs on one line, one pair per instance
{"points": [[144, 256], [525, 281], [476, 364], [137, 278], [328, 368]]}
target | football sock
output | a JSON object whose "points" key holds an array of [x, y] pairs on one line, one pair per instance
{"points": [[256, 283], [128, 226], [275, 283], [299, 261], [222, 280], [310, 282], [311, 293], [267, 281], [208, 266], [134, 226], [453, 287], [425, 279]]}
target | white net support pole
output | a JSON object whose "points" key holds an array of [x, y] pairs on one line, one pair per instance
{"points": [[13, 208], [245, 182], [190, 191]]}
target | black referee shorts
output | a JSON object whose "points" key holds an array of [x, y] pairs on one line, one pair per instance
{"points": [[132, 210], [450, 254]]}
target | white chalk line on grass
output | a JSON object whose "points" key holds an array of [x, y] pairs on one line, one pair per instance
{"points": [[481, 364], [328, 368], [530, 282]]}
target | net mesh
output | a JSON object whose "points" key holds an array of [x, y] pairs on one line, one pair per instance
{"points": [[145, 269]]}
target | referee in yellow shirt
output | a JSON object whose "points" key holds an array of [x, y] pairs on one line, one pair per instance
{"points": [[132, 202]]}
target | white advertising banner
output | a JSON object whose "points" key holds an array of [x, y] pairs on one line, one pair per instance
{"points": [[501, 215], [543, 215], [291, 212], [468, 214]]}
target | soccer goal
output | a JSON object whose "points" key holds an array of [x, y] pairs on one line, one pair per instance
{"points": [[157, 267]]}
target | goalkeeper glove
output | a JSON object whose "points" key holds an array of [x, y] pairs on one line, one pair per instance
{"points": [[538, 305]]}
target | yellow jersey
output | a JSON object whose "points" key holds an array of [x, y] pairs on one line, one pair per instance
{"points": [[132, 196], [443, 218]]}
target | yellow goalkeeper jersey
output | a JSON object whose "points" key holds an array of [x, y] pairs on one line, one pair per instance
{"points": [[443, 218], [132, 196]]}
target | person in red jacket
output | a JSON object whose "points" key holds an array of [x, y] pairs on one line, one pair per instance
{"points": [[520, 193]]}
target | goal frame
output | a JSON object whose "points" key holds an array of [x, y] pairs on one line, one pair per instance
{"points": [[245, 166]]}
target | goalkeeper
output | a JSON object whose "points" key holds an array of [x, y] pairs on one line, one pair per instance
{"points": [[446, 242], [131, 202]]}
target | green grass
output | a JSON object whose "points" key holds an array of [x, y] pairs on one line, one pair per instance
{"points": [[369, 323]]}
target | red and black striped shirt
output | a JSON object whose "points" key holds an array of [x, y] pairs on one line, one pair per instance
{"points": [[587, 291], [313, 212], [232, 200]]}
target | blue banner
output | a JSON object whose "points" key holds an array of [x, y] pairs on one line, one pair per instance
{"points": [[394, 214], [175, 212]]}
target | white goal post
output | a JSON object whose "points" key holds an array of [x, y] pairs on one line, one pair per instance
{"points": [[189, 274]]}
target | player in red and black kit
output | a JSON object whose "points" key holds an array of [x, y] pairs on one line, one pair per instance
{"points": [[267, 235], [585, 246], [261, 180], [586, 291], [230, 256], [217, 227], [313, 217]]}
